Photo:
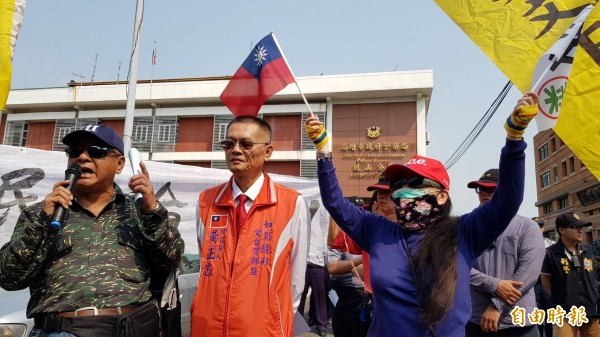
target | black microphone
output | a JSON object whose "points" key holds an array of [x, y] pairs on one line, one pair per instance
{"points": [[72, 174]]}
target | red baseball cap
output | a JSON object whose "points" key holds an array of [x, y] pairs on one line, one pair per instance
{"points": [[419, 166]]}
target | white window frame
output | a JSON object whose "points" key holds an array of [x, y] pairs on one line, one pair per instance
{"points": [[141, 133], [164, 133], [63, 131], [222, 134]]}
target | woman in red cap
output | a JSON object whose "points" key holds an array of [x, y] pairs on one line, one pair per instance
{"points": [[420, 263]]}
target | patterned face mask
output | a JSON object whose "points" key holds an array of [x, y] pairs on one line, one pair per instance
{"points": [[417, 212]]}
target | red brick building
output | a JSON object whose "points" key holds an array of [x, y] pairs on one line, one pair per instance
{"points": [[564, 184], [373, 119]]}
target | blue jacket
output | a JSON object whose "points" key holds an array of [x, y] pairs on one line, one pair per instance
{"points": [[397, 310]]}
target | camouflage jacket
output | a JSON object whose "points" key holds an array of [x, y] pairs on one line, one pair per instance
{"points": [[101, 261]]}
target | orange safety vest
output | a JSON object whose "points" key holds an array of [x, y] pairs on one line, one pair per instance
{"points": [[249, 288]]}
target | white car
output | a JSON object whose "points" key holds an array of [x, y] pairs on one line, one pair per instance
{"points": [[13, 304], [13, 322]]}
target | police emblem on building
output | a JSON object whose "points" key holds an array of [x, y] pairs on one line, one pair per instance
{"points": [[373, 132]]}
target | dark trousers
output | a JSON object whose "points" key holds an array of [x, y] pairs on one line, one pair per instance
{"points": [[544, 302], [316, 279], [346, 322], [474, 330]]}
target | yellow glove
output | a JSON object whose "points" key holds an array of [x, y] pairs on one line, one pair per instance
{"points": [[317, 134], [517, 122]]}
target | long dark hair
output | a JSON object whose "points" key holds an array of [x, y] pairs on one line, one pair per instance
{"points": [[435, 267]]}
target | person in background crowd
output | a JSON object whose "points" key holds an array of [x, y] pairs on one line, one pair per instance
{"points": [[317, 277], [382, 202], [504, 275], [420, 263], [346, 281], [547, 241], [542, 296], [568, 274], [253, 239], [347, 278], [95, 268]]}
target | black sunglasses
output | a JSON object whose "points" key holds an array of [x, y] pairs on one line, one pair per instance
{"points": [[488, 190], [245, 144], [414, 182], [94, 151]]}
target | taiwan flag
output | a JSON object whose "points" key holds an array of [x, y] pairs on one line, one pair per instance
{"points": [[262, 75], [218, 221]]}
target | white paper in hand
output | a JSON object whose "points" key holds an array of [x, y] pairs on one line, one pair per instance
{"points": [[135, 158]]}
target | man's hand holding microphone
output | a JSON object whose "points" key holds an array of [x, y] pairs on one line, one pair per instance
{"points": [[58, 201]]}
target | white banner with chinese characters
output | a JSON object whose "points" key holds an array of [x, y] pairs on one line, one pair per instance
{"points": [[28, 175]]}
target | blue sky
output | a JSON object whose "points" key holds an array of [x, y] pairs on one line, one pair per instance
{"points": [[212, 38]]}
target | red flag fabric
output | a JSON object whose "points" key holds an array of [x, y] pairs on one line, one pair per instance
{"points": [[262, 75], [154, 56]]}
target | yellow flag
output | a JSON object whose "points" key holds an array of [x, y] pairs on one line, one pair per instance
{"points": [[11, 17], [514, 34], [579, 122]]}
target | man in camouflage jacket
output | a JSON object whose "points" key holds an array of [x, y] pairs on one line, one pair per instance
{"points": [[100, 258]]}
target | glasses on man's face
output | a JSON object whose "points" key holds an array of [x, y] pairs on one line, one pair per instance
{"points": [[245, 144], [574, 228], [486, 190], [93, 151], [414, 182]]}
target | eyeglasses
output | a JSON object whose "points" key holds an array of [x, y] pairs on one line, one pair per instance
{"points": [[245, 144], [574, 228], [487, 190], [94, 151], [414, 182]]}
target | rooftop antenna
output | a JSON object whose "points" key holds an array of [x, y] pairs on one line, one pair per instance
{"points": [[118, 71], [95, 64], [81, 77]]}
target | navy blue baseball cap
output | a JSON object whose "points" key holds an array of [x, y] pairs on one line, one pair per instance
{"points": [[103, 133]]}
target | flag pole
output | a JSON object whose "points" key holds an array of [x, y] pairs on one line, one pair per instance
{"points": [[294, 76], [535, 86], [132, 80]]}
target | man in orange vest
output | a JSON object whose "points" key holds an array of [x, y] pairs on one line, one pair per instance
{"points": [[253, 238]]}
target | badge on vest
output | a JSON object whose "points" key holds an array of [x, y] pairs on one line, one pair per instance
{"points": [[219, 221], [587, 264]]}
